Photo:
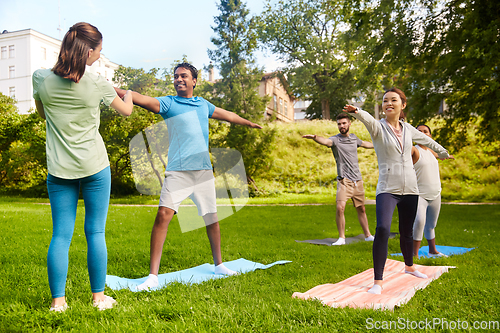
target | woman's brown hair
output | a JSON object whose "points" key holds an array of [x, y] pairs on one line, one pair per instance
{"points": [[402, 95], [74, 53]]}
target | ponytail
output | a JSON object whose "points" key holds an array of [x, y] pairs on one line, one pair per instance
{"points": [[74, 53]]}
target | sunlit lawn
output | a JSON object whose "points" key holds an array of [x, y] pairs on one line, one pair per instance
{"points": [[257, 301]]}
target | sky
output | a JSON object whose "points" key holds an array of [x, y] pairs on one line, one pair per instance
{"points": [[139, 34]]}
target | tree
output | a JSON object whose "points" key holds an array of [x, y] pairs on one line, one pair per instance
{"points": [[460, 55], [237, 91], [23, 166], [439, 51], [309, 36]]}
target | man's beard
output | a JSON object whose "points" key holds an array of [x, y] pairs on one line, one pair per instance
{"points": [[344, 130]]}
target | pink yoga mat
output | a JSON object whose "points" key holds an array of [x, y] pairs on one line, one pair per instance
{"points": [[398, 289]]}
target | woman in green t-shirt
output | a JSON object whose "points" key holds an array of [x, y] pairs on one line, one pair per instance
{"points": [[69, 99]]}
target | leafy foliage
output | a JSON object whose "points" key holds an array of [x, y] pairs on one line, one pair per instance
{"points": [[460, 55], [237, 91], [311, 38], [23, 165], [437, 51]]}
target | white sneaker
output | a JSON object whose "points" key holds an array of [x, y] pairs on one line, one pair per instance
{"points": [[151, 282], [223, 270], [105, 304], [417, 274], [369, 238], [340, 241], [375, 289], [59, 308]]}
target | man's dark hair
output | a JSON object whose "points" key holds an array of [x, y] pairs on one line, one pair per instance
{"points": [[430, 132], [194, 71], [343, 115]]}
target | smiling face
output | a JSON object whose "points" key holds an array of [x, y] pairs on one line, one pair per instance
{"points": [[392, 105], [344, 125], [94, 54], [424, 129], [183, 82]]}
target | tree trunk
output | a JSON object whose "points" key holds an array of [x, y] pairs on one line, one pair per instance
{"points": [[252, 182], [325, 109]]}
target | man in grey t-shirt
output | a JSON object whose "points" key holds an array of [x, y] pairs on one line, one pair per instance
{"points": [[349, 182]]}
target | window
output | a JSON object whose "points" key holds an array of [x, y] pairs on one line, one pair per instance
{"points": [[12, 92], [44, 53], [281, 105], [4, 52], [286, 108], [12, 51], [12, 72], [275, 106]]}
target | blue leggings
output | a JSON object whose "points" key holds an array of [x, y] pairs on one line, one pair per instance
{"points": [[63, 195], [407, 210]]}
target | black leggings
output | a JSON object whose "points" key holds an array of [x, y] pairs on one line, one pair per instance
{"points": [[407, 210]]}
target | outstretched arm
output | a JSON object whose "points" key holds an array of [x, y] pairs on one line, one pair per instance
{"points": [[422, 139], [367, 145], [124, 107], [372, 125], [437, 156], [319, 139], [450, 157], [233, 118], [146, 102]]}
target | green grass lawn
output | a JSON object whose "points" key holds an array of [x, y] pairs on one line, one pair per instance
{"points": [[257, 301]]}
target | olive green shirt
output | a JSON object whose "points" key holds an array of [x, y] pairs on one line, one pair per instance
{"points": [[75, 148]]}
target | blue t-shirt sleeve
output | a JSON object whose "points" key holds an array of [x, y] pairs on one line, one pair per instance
{"points": [[165, 103], [211, 108]]}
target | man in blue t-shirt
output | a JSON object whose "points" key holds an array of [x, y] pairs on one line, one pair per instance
{"points": [[349, 182], [189, 171]]}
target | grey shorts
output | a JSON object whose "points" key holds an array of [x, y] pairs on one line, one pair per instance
{"points": [[199, 185]]}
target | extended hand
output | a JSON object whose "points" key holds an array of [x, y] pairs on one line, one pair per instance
{"points": [[254, 125], [120, 92], [448, 158], [350, 109], [309, 136]]}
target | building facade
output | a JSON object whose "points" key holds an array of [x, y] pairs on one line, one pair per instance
{"points": [[281, 103], [23, 52]]}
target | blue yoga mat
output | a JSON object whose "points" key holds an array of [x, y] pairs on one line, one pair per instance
{"points": [[448, 250], [196, 274]]}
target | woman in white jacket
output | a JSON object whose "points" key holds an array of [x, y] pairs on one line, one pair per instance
{"points": [[397, 183]]}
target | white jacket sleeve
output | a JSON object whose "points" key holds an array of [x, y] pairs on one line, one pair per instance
{"points": [[372, 125], [422, 139]]}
